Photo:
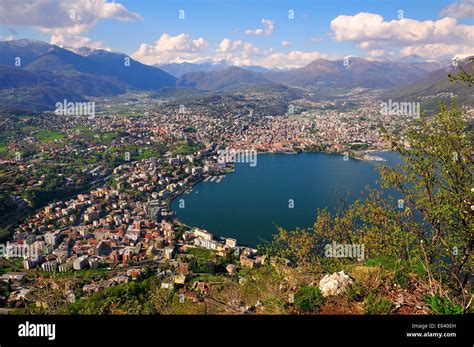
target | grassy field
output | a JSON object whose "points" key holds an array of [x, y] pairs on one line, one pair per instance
{"points": [[184, 149], [201, 253], [108, 137], [48, 135]]}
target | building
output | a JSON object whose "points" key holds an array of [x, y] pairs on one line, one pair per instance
{"points": [[80, 263], [244, 261], [232, 243], [102, 248], [167, 229], [205, 243], [203, 234], [30, 263], [230, 268], [153, 210], [67, 266], [133, 234], [90, 217], [13, 276], [51, 238], [93, 262], [180, 279], [50, 266], [169, 253]]}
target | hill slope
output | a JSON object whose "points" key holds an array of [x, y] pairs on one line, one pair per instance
{"points": [[436, 86], [54, 74], [221, 79], [357, 72]]}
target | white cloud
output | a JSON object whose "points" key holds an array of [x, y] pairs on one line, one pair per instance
{"points": [[285, 43], [6, 38], [62, 16], [437, 49], [65, 20], [377, 52], [238, 52], [75, 41], [244, 53], [172, 49], [460, 9], [266, 31], [227, 46], [9, 35], [371, 32], [181, 48], [369, 28], [293, 59]]}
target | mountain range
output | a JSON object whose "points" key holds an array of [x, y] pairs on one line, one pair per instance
{"points": [[221, 79], [354, 72], [180, 69], [35, 75], [438, 84], [49, 71]]}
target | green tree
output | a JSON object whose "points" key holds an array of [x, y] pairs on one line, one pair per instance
{"points": [[432, 223], [435, 181], [308, 299]]}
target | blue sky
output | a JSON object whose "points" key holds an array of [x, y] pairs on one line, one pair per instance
{"points": [[215, 19], [128, 25]]}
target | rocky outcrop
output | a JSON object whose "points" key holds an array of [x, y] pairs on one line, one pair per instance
{"points": [[334, 284]]}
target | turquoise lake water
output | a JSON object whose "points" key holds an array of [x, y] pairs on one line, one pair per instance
{"points": [[248, 203]]}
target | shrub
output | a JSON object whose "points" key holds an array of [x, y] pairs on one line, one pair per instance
{"points": [[377, 304], [274, 305], [400, 268], [441, 305], [356, 291], [308, 299]]}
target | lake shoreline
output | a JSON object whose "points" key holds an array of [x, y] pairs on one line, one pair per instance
{"points": [[324, 199]]}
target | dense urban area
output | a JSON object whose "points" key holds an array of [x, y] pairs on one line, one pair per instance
{"points": [[87, 196]]}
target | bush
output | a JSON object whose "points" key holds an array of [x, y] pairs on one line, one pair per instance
{"points": [[400, 268], [356, 292], [377, 304], [308, 299], [441, 305], [274, 305]]}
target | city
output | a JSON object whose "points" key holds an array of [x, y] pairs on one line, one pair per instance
{"points": [[294, 160]]}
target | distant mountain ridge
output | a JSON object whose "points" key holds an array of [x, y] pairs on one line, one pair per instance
{"points": [[221, 79], [98, 73], [435, 83], [352, 73], [180, 69], [48, 73], [355, 72]]}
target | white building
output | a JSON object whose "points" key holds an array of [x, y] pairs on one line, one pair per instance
{"points": [[80, 263]]}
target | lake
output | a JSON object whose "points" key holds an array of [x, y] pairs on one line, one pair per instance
{"points": [[282, 189]]}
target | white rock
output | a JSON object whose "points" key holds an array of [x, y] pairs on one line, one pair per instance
{"points": [[334, 284]]}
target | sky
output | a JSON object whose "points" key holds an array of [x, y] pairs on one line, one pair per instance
{"points": [[273, 34]]}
